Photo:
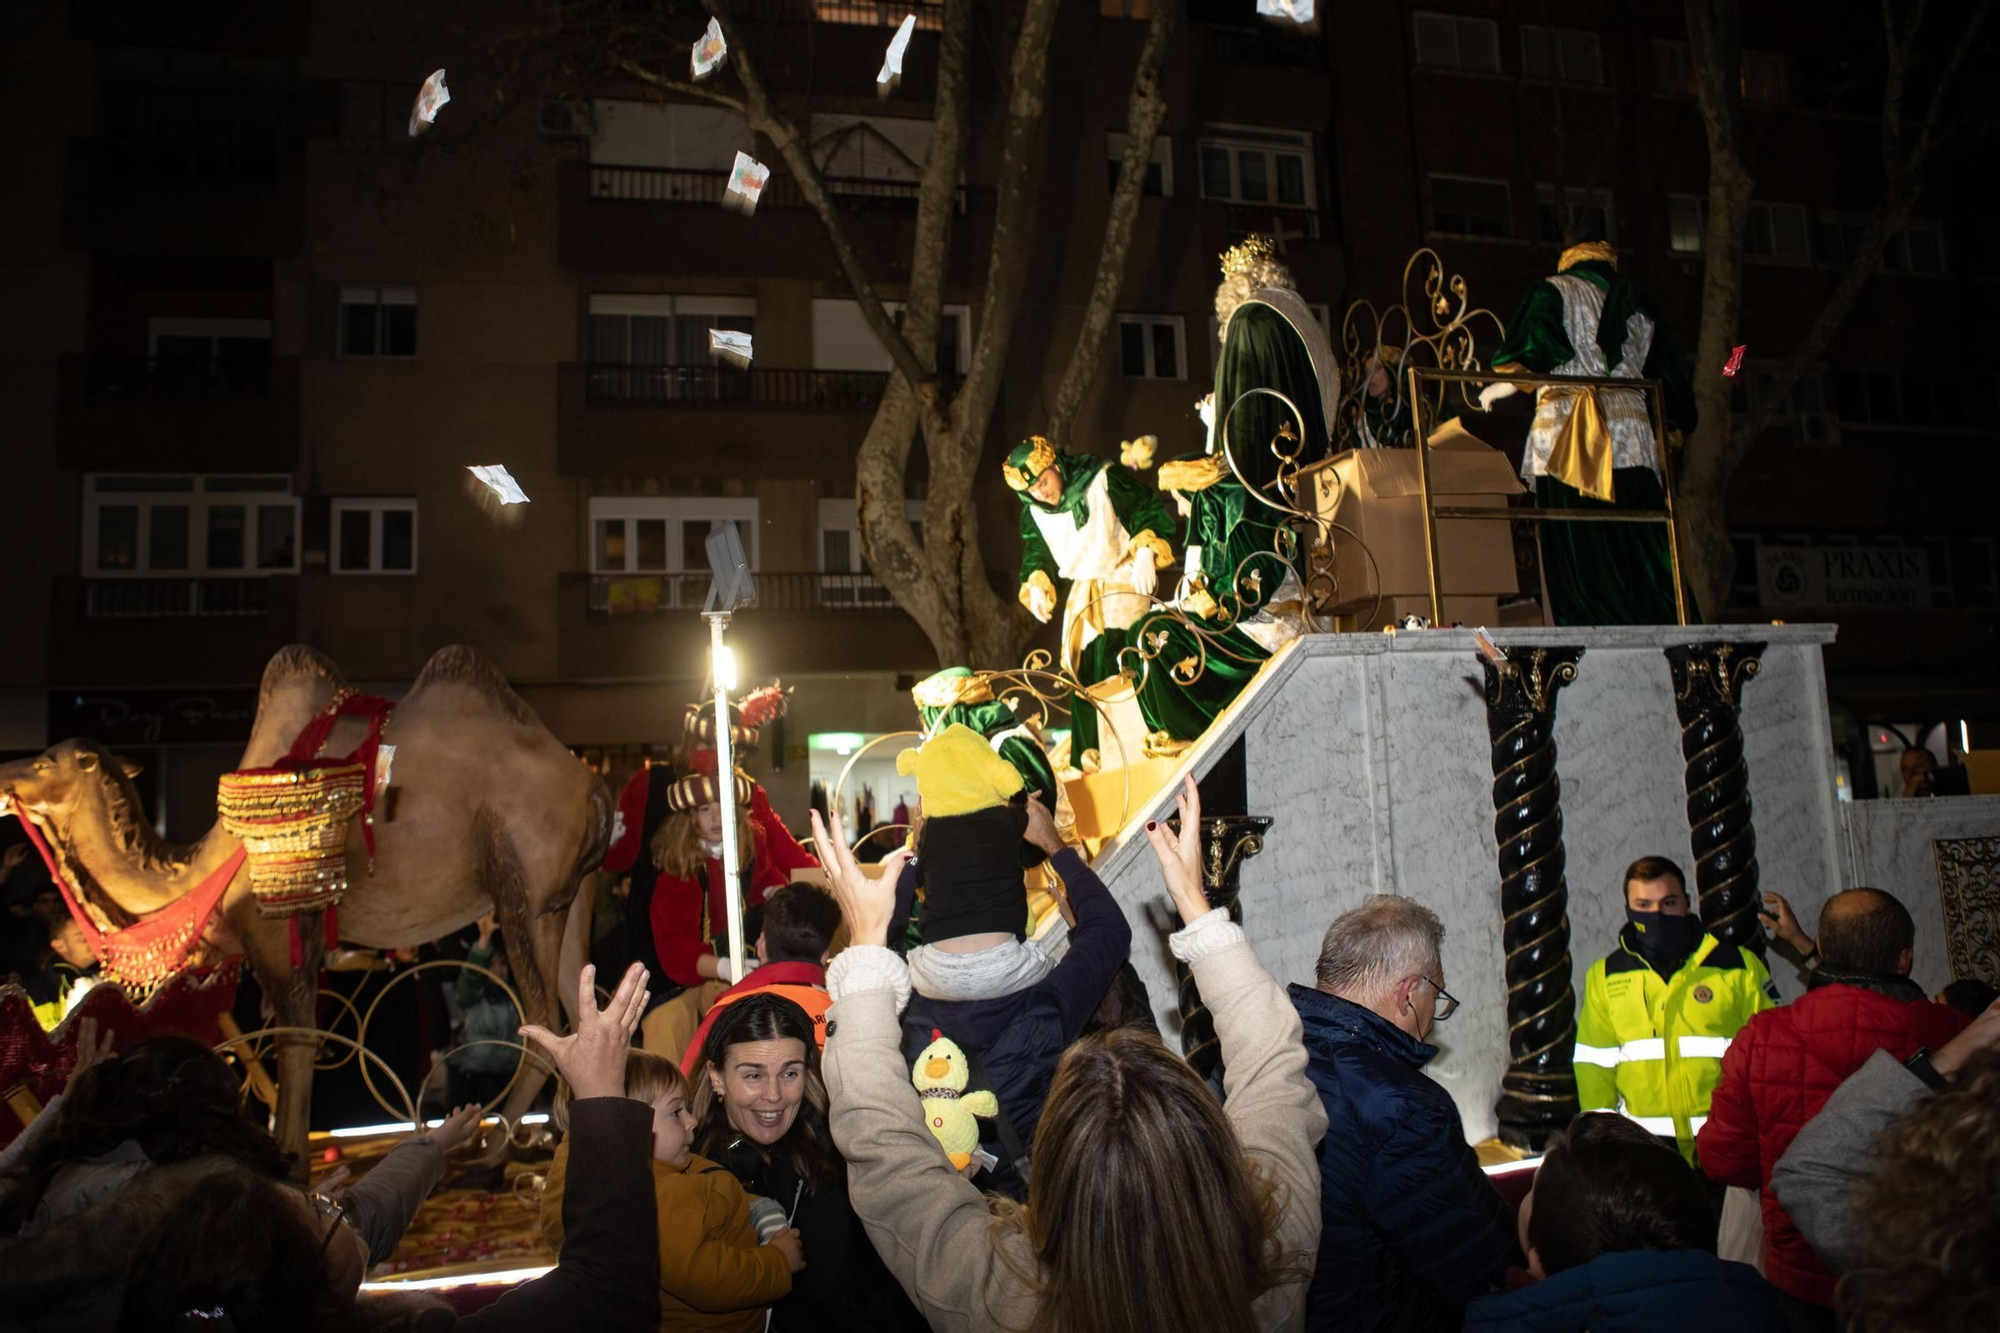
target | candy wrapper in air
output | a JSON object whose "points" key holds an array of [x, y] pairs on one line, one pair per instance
{"points": [[430, 97], [892, 63], [1298, 11], [746, 184], [730, 346], [496, 479], [1735, 361], [709, 50], [1488, 649]]}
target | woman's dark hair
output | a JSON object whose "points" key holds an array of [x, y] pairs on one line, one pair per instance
{"points": [[172, 1096], [235, 1250], [1607, 1185], [808, 1145]]}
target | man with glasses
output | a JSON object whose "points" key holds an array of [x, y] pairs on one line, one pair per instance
{"points": [[1410, 1229]]}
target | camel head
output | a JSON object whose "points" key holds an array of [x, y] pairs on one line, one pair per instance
{"points": [[50, 785]]}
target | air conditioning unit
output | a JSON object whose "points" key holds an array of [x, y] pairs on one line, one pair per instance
{"points": [[1817, 430], [567, 120]]}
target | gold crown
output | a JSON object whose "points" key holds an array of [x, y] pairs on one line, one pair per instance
{"points": [[1238, 258]]}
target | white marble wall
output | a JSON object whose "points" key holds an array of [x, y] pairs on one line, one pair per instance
{"points": [[1888, 845], [1371, 753]]}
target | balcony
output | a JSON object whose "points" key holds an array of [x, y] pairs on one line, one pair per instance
{"points": [[638, 626], [633, 420], [184, 199], [235, 27], [631, 219], [143, 630], [155, 413]]}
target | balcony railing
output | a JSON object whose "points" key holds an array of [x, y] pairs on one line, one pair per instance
{"points": [[613, 183], [859, 13], [620, 594], [725, 386], [141, 377], [161, 599], [186, 163]]}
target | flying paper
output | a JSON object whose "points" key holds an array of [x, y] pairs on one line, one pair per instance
{"points": [[746, 183], [730, 346], [1735, 361], [1298, 11], [430, 97], [1488, 649], [709, 50], [892, 63], [495, 478]]}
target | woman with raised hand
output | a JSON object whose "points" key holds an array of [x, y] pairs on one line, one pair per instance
{"points": [[1150, 1206]]}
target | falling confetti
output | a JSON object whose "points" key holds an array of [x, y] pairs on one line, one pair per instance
{"points": [[495, 478], [892, 63], [1488, 649], [730, 346], [710, 50], [430, 97], [1735, 361], [1298, 11], [746, 183]]}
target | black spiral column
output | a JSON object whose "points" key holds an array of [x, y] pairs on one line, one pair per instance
{"points": [[1538, 1092], [1708, 694], [1227, 841]]}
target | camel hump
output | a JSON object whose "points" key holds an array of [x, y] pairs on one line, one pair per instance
{"points": [[461, 665], [298, 661]]}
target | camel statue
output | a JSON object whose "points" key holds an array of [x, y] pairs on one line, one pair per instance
{"points": [[491, 813]]}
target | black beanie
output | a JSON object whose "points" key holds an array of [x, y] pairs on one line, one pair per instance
{"points": [[969, 867]]}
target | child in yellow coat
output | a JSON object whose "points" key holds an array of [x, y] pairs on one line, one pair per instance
{"points": [[714, 1276]]}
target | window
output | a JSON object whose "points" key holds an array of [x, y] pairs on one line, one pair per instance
{"points": [[1563, 55], [1257, 166], [1448, 41], [663, 540], [870, 14], [848, 582], [657, 347], [1910, 399], [375, 115], [1151, 347], [210, 355], [679, 137], [1462, 206], [1584, 212], [1775, 233], [1159, 173], [1764, 78], [375, 536], [378, 321], [1917, 249], [1762, 74], [842, 339], [152, 524], [870, 148]]}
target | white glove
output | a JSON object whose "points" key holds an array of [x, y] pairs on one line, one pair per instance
{"points": [[1144, 577], [1494, 392], [1205, 409], [1041, 602], [726, 972]]}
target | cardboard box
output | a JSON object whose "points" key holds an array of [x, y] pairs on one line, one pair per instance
{"points": [[1377, 494]]}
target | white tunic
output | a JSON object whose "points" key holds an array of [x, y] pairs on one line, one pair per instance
{"points": [[1095, 559], [1625, 412]]}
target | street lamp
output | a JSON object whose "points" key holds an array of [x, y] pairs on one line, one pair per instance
{"points": [[730, 586]]}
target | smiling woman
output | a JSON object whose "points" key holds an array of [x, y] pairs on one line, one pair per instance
{"points": [[761, 1111]]}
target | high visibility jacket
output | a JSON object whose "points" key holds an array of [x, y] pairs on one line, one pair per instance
{"points": [[1651, 1047]]}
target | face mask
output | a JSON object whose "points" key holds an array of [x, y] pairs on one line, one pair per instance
{"points": [[1666, 939]]}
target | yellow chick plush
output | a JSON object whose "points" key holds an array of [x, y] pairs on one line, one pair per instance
{"points": [[940, 1076], [958, 773]]}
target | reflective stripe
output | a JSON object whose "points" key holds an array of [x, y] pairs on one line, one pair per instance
{"points": [[1709, 1047], [1604, 1056], [1645, 1048], [1663, 1125]]}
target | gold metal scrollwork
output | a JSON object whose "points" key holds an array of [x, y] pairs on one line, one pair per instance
{"points": [[1443, 331]]}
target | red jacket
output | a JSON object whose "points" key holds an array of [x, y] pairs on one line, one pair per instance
{"points": [[1778, 1073], [677, 936]]}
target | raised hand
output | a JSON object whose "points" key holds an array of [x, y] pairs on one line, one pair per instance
{"points": [[455, 1128], [1777, 918], [1042, 827], [1180, 855], [867, 903], [592, 1058]]}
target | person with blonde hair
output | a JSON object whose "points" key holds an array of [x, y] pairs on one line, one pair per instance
{"points": [[1149, 1206]]}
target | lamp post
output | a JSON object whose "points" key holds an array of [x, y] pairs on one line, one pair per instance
{"points": [[730, 586]]}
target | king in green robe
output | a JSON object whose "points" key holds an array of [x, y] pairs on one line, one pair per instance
{"points": [[1597, 450], [1091, 524]]}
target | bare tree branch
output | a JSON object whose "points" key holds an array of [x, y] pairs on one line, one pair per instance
{"points": [[701, 90], [1144, 110]]}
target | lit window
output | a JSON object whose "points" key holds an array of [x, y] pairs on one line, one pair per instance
{"points": [[663, 541], [1151, 347]]}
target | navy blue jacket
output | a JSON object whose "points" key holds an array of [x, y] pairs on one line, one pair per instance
{"points": [[1411, 1231], [1638, 1291], [1020, 1037]]}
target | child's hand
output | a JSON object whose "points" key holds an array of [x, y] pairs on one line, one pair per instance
{"points": [[787, 1243], [1042, 827], [455, 1128]]}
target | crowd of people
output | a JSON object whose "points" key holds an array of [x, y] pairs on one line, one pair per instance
{"points": [[911, 1114]]}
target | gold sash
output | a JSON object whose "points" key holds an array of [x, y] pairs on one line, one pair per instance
{"points": [[1581, 455]]}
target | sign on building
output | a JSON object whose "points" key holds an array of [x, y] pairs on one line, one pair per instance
{"points": [[1857, 577]]}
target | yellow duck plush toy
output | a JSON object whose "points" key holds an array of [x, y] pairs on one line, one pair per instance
{"points": [[940, 1076]]}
